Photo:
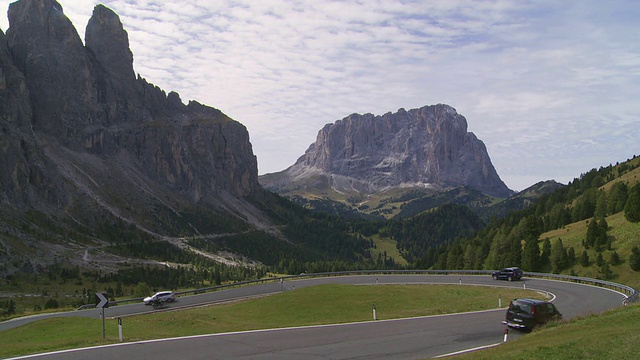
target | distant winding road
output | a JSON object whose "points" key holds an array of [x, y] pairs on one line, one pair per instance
{"points": [[415, 338]]}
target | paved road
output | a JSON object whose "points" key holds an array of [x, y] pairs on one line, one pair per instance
{"points": [[416, 338]]}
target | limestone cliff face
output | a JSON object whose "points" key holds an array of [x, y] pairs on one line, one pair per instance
{"points": [[15, 120], [426, 147], [77, 124], [47, 49]]}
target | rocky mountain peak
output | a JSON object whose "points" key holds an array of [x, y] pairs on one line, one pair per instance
{"points": [[46, 48], [426, 147], [75, 116], [107, 39]]}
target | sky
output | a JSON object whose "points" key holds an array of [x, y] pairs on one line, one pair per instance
{"points": [[552, 88]]}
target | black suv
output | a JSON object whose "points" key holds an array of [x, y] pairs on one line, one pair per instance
{"points": [[528, 313], [512, 273]]}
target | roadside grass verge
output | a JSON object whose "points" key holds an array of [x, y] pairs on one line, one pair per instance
{"points": [[610, 335], [324, 304]]}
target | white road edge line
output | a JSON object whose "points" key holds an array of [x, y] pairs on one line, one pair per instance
{"points": [[467, 350]]}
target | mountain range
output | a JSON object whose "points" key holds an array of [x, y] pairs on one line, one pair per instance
{"points": [[97, 162]]}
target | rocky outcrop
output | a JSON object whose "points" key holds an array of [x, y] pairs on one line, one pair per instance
{"points": [[427, 147], [78, 126]]}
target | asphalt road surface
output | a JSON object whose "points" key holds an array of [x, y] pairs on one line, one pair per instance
{"points": [[416, 338]]}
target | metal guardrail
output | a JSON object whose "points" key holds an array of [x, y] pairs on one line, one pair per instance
{"points": [[630, 293]]}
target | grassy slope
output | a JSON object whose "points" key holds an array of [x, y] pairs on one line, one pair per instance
{"points": [[308, 306], [612, 335], [630, 177], [625, 235], [388, 245]]}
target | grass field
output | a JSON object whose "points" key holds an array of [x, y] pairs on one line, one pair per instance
{"points": [[316, 305]]}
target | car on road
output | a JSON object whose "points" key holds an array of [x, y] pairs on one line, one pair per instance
{"points": [[162, 296], [526, 314], [510, 274]]}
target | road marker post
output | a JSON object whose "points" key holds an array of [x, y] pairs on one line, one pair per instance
{"points": [[104, 329], [103, 302], [120, 328], [506, 334], [499, 301], [374, 312]]}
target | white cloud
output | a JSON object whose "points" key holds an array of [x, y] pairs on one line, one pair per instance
{"points": [[550, 87]]}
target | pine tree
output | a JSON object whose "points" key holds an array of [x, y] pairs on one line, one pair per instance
{"points": [[571, 256], [601, 205], [615, 258], [500, 252], [603, 225], [546, 252], [617, 197], [441, 263], [469, 256], [531, 255], [634, 259], [142, 289], [51, 304], [516, 253], [217, 277], [605, 270], [584, 259], [480, 258], [632, 206], [558, 256], [453, 256], [601, 235], [599, 260], [592, 234]]}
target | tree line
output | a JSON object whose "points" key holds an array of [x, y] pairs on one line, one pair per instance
{"points": [[514, 240]]}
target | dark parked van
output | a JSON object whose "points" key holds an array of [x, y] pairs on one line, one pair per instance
{"points": [[528, 313]]}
